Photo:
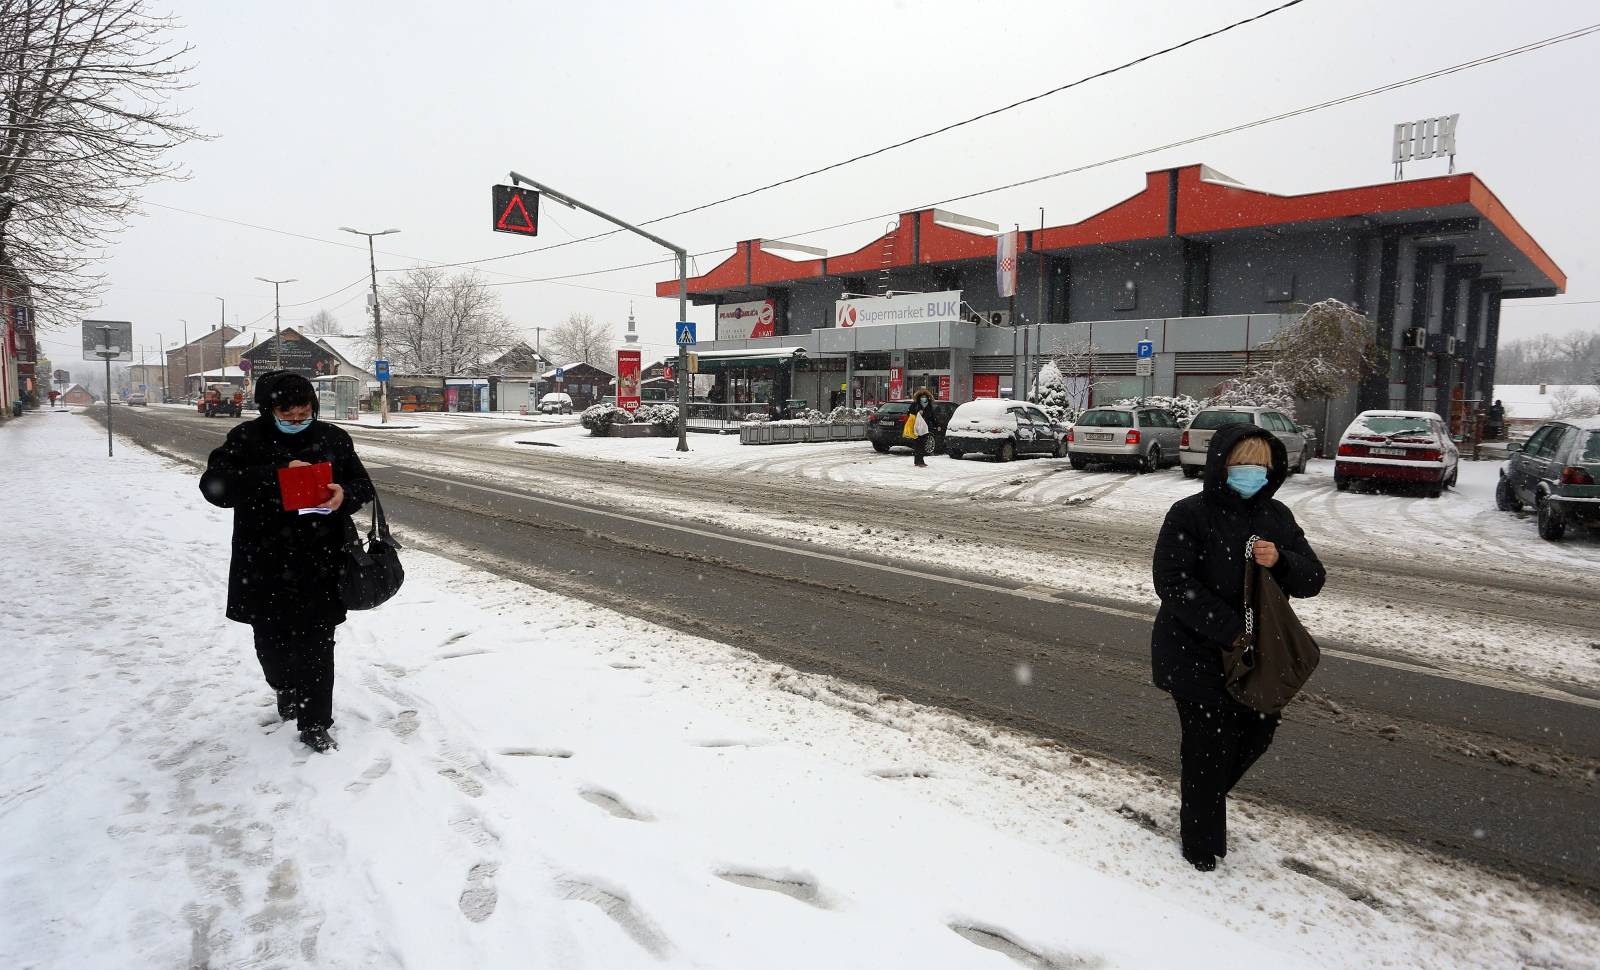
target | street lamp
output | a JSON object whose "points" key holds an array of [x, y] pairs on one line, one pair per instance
{"points": [[277, 329], [377, 317]]}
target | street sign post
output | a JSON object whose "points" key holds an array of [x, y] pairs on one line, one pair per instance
{"points": [[1145, 362], [245, 364], [685, 333], [108, 340], [380, 369]]}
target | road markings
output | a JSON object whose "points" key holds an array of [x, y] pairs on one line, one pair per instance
{"points": [[1033, 592]]}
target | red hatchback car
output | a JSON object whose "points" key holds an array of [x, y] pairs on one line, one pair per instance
{"points": [[1409, 447]]}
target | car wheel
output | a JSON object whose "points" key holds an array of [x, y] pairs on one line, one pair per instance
{"points": [[1455, 476], [1191, 471], [1007, 452], [1078, 464], [1505, 499], [1434, 491], [1341, 482], [1552, 526], [929, 446], [1304, 463], [955, 453], [1060, 450], [1151, 461], [880, 447]]}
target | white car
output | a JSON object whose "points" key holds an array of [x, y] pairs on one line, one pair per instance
{"points": [[1398, 446], [555, 403]]}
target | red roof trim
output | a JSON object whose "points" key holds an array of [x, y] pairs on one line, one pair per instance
{"points": [[1487, 203], [869, 258], [1140, 216]]}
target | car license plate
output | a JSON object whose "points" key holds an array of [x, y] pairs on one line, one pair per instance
{"points": [[1388, 452], [1098, 437]]}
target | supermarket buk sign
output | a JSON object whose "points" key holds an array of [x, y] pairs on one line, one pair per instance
{"points": [[741, 321], [877, 311]]}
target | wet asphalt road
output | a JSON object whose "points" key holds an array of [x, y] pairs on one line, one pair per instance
{"points": [[1494, 775]]}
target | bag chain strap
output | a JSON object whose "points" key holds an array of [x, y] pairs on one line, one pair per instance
{"points": [[1249, 605]]}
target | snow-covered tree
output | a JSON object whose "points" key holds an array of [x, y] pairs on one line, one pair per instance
{"points": [[1314, 358], [580, 339], [322, 322], [434, 323], [1067, 381]]}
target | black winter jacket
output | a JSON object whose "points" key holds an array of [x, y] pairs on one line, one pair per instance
{"points": [[1199, 569], [285, 567]]}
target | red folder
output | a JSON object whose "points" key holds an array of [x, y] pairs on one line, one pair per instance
{"points": [[305, 486]]}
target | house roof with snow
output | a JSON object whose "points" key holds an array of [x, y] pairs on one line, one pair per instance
{"points": [[249, 338], [350, 348], [550, 374]]}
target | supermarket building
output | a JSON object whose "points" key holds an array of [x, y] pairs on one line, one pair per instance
{"points": [[1208, 268]]}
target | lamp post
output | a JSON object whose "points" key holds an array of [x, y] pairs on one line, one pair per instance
{"points": [[377, 317], [277, 328], [222, 353], [187, 363], [166, 382]]}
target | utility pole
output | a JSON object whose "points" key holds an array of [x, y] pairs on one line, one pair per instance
{"points": [[1040, 322], [188, 364], [166, 381], [277, 325], [222, 356], [377, 316], [683, 291]]}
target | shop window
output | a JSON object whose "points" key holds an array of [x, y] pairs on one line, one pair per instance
{"points": [[872, 361], [928, 360]]}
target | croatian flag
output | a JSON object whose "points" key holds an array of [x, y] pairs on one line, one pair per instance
{"points": [[1005, 263]]}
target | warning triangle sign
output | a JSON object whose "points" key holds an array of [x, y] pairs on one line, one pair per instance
{"points": [[515, 217]]}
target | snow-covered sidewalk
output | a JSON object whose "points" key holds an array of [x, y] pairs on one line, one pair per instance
{"points": [[525, 780]]}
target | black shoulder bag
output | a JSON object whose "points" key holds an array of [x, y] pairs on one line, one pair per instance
{"points": [[1276, 656], [371, 572]]}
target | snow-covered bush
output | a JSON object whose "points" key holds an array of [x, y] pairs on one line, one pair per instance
{"points": [[1263, 389], [661, 415], [599, 419], [1183, 407], [844, 415], [1049, 387], [757, 417]]}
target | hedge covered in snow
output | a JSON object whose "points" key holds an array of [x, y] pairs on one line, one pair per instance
{"points": [[599, 419]]}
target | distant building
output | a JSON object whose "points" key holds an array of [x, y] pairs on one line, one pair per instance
{"points": [[207, 352], [78, 396], [293, 352], [585, 383], [1530, 405]]}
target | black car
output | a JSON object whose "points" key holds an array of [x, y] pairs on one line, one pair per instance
{"points": [[886, 426], [1556, 472]]}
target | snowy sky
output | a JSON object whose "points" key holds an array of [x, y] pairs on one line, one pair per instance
{"points": [[379, 114]]}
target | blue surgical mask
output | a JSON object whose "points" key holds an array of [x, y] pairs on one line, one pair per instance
{"points": [[291, 427], [1247, 480]]}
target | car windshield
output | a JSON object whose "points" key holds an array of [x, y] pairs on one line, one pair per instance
{"points": [[1212, 420], [1106, 419], [1391, 425], [1591, 448], [894, 407]]}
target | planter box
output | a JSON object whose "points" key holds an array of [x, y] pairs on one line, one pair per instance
{"points": [[778, 434], [638, 431]]}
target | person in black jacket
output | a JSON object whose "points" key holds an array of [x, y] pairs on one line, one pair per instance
{"points": [[921, 406], [284, 576], [1200, 559]]}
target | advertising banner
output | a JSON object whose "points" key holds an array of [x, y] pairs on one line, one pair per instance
{"points": [[876, 311], [1005, 264], [985, 385], [742, 321], [628, 380], [897, 383], [944, 387]]}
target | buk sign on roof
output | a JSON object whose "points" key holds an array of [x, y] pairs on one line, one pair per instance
{"points": [[516, 210]]}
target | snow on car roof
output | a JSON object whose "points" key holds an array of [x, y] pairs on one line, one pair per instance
{"points": [[1398, 414], [987, 404]]}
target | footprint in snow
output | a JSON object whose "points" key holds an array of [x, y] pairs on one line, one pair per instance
{"points": [[896, 774], [1350, 890], [535, 752], [612, 804], [992, 938], [795, 885], [479, 896], [374, 771], [616, 905]]}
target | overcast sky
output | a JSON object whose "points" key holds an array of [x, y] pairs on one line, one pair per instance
{"points": [[378, 114]]}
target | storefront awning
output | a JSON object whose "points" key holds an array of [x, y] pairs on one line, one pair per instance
{"points": [[715, 360]]}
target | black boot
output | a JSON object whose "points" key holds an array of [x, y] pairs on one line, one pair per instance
{"points": [[1204, 861], [288, 705], [318, 740]]}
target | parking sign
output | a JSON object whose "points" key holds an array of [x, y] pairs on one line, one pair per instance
{"points": [[1147, 348]]}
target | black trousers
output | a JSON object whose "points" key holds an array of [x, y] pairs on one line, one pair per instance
{"points": [[921, 448], [1220, 743], [298, 664]]}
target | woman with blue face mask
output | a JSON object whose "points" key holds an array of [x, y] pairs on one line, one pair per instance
{"points": [[1199, 569], [284, 576]]}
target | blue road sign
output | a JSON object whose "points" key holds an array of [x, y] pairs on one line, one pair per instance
{"points": [[560, 373], [381, 369], [1147, 348], [686, 333]]}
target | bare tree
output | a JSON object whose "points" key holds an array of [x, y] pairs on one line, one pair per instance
{"points": [[434, 323], [321, 323], [85, 124], [580, 340]]}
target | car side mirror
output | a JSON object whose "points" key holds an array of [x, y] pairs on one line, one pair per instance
{"points": [[1512, 447]]}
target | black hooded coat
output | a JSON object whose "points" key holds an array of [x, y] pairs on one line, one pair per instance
{"points": [[285, 566], [1199, 569]]}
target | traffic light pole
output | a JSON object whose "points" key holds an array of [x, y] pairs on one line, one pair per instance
{"points": [[683, 290]]}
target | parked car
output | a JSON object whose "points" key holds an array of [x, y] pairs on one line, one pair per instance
{"points": [[1004, 430], [886, 426], [1197, 436], [135, 399], [1398, 446], [1146, 438], [1556, 472], [555, 402]]}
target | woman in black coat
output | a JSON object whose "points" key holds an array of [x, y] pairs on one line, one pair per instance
{"points": [[284, 576], [1199, 576], [921, 406]]}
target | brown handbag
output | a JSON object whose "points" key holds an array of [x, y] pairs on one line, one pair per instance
{"points": [[1276, 656]]}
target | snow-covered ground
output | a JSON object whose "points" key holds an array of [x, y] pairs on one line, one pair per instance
{"points": [[529, 781]]}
